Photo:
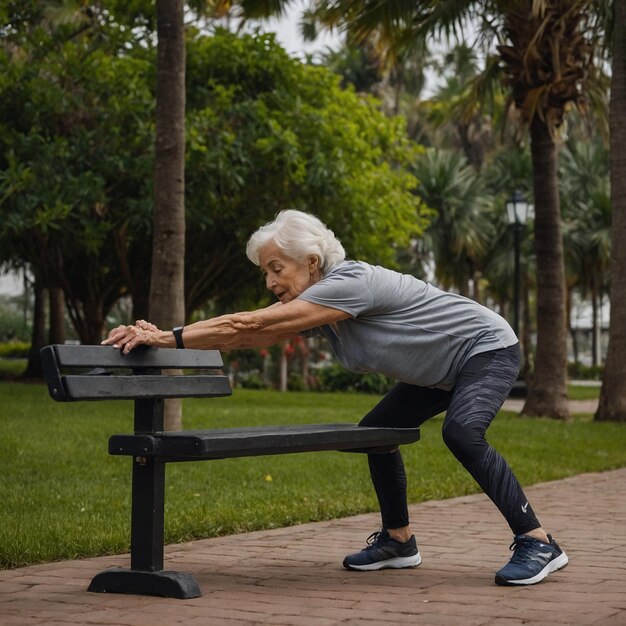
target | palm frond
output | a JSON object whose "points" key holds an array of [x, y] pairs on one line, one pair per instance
{"points": [[448, 19], [258, 9]]}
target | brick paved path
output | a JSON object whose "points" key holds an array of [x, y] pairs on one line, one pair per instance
{"points": [[575, 406], [293, 575]]}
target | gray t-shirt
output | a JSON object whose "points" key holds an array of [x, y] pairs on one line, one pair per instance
{"points": [[403, 327]]}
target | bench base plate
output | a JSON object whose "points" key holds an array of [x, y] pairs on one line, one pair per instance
{"points": [[163, 583]]}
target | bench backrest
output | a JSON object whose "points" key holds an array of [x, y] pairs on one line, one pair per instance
{"points": [[102, 373]]}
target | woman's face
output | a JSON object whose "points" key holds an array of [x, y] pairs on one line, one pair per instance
{"points": [[284, 276]]}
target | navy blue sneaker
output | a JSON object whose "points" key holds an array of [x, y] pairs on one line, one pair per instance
{"points": [[531, 562], [384, 552]]}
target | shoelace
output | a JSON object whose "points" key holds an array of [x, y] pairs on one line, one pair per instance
{"points": [[372, 540], [521, 550]]}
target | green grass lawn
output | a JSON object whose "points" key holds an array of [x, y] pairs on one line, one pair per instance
{"points": [[11, 369], [64, 497], [575, 392]]}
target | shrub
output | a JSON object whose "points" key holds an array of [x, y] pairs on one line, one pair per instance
{"points": [[372, 382], [295, 382], [14, 350], [252, 380], [584, 372], [336, 378]]}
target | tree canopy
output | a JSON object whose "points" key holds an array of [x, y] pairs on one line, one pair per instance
{"points": [[75, 131], [268, 133], [264, 133]]}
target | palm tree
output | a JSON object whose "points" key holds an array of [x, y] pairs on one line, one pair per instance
{"points": [[612, 406], [510, 169], [546, 62], [587, 224], [472, 128], [544, 55], [459, 233]]}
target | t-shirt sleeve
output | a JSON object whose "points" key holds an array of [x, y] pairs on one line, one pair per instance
{"points": [[345, 290]]}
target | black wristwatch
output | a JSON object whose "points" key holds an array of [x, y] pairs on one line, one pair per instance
{"points": [[178, 336]]}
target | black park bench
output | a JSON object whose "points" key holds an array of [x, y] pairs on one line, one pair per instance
{"points": [[103, 373]]}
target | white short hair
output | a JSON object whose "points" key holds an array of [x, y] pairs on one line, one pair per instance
{"points": [[298, 235]]}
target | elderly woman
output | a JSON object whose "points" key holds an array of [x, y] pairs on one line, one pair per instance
{"points": [[448, 353]]}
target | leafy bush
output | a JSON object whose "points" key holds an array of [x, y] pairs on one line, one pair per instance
{"points": [[584, 372], [14, 350], [252, 380], [336, 378], [374, 383], [295, 382]]}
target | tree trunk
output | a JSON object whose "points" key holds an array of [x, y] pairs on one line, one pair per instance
{"points": [[57, 315], [548, 390], [88, 317], [167, 305], [38, 337], [612, 405]]}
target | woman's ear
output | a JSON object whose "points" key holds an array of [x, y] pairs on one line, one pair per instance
{"points": [[314, 263]]}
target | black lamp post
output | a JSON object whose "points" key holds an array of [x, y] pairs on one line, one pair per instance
{"points": [[517, 212]]}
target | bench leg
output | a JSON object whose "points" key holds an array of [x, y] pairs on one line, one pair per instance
{"points": [[146, 575], [147, 516], [166, 584]]}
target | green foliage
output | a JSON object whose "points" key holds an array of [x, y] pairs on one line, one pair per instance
{"points": [[585, 198], [295, 382], [335, 377], [584, 372], [461, 231], [264, 133], [253, 380], [12, 369], [47, 23], [75, 169], [13, 326], [14, 350], [355, 67], [65, 497], [268, 133], [509, 169]]}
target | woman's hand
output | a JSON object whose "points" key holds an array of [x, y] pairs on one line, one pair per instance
{"points": [[129, 337]]}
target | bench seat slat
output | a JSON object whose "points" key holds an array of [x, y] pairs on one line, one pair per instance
{"points": [[265, 440], [163, 358], [145, 387]]}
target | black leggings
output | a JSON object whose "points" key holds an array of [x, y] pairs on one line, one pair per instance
{"points": [[481, 388]]}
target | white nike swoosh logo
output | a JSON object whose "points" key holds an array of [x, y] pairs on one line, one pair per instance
{"points": [[540, 556], [525, 507]]}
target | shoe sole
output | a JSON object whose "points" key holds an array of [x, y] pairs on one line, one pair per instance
{"points": [[553, 566], [399, 562]]}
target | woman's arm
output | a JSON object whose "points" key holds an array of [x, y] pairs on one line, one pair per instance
{"points": [[250, 329]]}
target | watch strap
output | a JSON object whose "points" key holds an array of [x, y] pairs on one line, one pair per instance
{"points": [[178, 337]]}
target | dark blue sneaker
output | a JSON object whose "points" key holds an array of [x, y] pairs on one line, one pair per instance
{"points": [[531, 562], [384, 552]]}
